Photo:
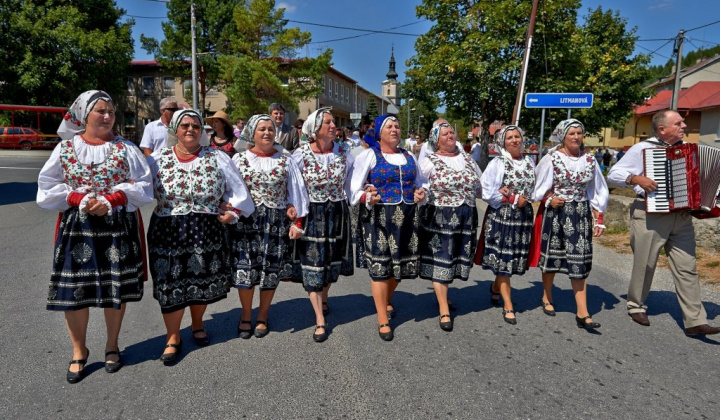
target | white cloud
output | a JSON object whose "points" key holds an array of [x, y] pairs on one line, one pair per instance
{"points": [[662, 5], [289, 8]]}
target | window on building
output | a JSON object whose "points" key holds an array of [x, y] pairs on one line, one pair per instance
{"points": [[168, 86], [129, 119], [187, 88], [621, 133], [148, 86], [342, 93], [336, 90], [330, 84], [347, 95], [285, 81], [130, 86], [325, 90]]}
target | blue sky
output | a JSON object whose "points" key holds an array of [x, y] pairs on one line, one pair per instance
{"points": [[365, 58]]}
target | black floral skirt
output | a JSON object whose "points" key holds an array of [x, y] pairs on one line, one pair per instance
{"points": [[261, 249], [189, 260], [390, 241], [448, 238], [97, 261], [508, 232], [567, 240], [324, 252]]}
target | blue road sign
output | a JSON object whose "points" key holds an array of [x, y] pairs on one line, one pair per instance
{"points": [[558, 100]]}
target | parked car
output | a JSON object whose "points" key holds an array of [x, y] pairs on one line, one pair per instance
{"points": [[20, 137]]}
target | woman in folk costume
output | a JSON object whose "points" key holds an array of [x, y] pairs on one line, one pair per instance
{"points": [[324, 252], [198, 191], [97, 180], [574, 193], [388, 185], [261, 242], [507, 185], [448, 224]]}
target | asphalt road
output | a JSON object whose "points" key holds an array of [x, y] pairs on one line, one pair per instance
{"points": [[541, 368]]}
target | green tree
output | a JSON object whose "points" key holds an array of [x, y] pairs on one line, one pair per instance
{"points": [[262, 64], [55, 49], [213, 25], [372, 111], [471, 59]]}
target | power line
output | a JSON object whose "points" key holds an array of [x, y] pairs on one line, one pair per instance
{"points": [[358, 29], [655, 52], [361, 35], [703, 26], [657, 39], [707, 42]]}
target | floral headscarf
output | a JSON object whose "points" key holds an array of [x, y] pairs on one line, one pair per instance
{"points": [[312, 124], [558, 135], [500, 139], [248, 133], [175, 123], [435, 135], [74, 120]]}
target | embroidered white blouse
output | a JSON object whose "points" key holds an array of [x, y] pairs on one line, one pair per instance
{"points": [[296, 193], [235, 191], [53, 191], [494, 178], [458, 164], [326, 189], [597, 191]]}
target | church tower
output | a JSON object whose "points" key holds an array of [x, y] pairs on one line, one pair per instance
{"points": [[390, 87]]}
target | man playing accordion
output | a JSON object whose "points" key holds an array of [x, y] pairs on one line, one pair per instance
{"points": [[651, 232]]}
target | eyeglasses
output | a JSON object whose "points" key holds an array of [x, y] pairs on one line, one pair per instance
{"points": [[171, 109], [186, 126]]}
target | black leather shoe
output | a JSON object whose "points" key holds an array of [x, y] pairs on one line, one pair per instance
{"points": [[584, 323], [388, 336], [244, 334], [641, 318], [511, 321], [201, 341], [75, 377], [494, 296], [325, 308], [704, 329], [319, 338], [446, 325], [546, 311], [112, 367], [168, 358], [261, 332]]}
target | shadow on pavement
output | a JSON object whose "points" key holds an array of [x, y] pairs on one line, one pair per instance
{"points": [[17, 192]]}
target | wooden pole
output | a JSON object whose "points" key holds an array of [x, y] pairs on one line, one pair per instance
{"points": [[526, 59]]}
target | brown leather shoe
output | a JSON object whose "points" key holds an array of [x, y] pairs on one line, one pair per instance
{"points": [[641, 318], [704, 329]]}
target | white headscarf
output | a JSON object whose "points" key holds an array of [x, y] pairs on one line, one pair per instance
{"points": [[312, 124], [558, 135], [75, 118], [175, 123], [500, 140]]}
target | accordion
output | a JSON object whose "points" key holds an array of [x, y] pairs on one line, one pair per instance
{"points": [[688, 177]]}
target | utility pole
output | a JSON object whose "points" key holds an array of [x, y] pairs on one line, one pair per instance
{"points": [[193, 51], [678, 64], [526, 60]]}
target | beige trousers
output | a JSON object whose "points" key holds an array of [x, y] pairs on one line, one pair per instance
{"points": [[674, 232]]}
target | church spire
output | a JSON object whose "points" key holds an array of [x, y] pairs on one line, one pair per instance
{"points": [[392, 74]]}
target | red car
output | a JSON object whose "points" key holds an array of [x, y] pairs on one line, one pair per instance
{"points": [[20, 137]]}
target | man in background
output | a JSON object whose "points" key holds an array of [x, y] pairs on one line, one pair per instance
{"points": [[286, 135], [155, 134]]}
